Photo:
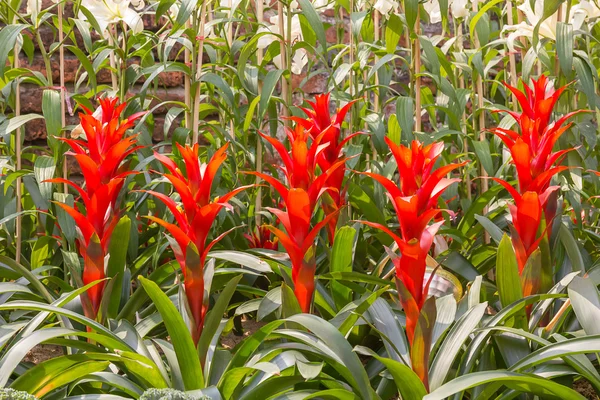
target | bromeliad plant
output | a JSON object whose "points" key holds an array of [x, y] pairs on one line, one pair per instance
{"points": [[305, 186], [536, 164], [102, 159], [320, 121], [415, 201], [194, 218]]}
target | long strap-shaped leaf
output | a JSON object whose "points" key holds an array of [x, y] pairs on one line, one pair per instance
{"points": [[189, 363]]}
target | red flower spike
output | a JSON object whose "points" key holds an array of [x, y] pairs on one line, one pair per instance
{"points": [[300, 196], [320, 124], [101, 158], [260, 238], [193, 221], [415, 201]]}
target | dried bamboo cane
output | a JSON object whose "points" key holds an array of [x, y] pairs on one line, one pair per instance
{"points": [[61, 62], [18, 226], [377, 35], [481, 125], [416, 72], [259, 156], [283, 57], [198, 73]]}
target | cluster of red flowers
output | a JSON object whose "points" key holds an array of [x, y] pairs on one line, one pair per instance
{"points": [[194, 221], [101, 159], [415, 200], [315, 165], [531, 149]]}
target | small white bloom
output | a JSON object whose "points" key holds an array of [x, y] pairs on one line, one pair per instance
{"points": [[432, 8], [584, 10], [300, 57], [107, 12], [385, 6], [323, 5], [533, 17], [459, 8]]}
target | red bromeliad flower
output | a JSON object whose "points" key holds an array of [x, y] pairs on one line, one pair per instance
{"points": [[260, 238], [193, 221], [319, 122], [101, 159], [527, 214], [415, 202], [532, 147], [300, 197]]}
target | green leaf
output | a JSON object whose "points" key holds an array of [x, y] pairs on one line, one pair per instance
{"points": [[354, 372], [187, 356], [342, 256], [572, 248], [213, 317], [508, 279], [117, 249], [411, 9], [86, 64], [289, 302], [490, 227], [586, 81], [453, 342], [10, 125], [482, 149], [315, 21], [408, 383], [43, 170], [267, 90], [564, 47], [8, 38], [52, 112], [405, 115], [523, 383], [393, 32], [482, 10], [43, 249], [585, 300]]}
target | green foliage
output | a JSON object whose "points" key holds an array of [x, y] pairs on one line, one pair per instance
{"points": [[169, 394], [11, 394]]}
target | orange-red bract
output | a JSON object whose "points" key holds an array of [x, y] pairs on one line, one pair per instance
{"points": [[101, 159], [536, 163], [260, 238], [193, 221], [415, 202], [300, 196], [319, 121], [532, 145]]}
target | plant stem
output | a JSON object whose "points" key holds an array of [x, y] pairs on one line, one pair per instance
{"points": [[417, 72], [283, 57], [187, 83], [376, 22], [259, 156], [113, 61], [18, 226], [481, 125], [511, 56], [61, 67], [198, 74], [461, 81]]}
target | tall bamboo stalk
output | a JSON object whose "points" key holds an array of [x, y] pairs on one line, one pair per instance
{"points": [[230, 43], [259, 156], [512, 62], [197, 63], [18, 226], [61, 67], [461, 83], [113, 61], [416, 72], [282, 22], [481, 125], [187, 83], [376, 22]]}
